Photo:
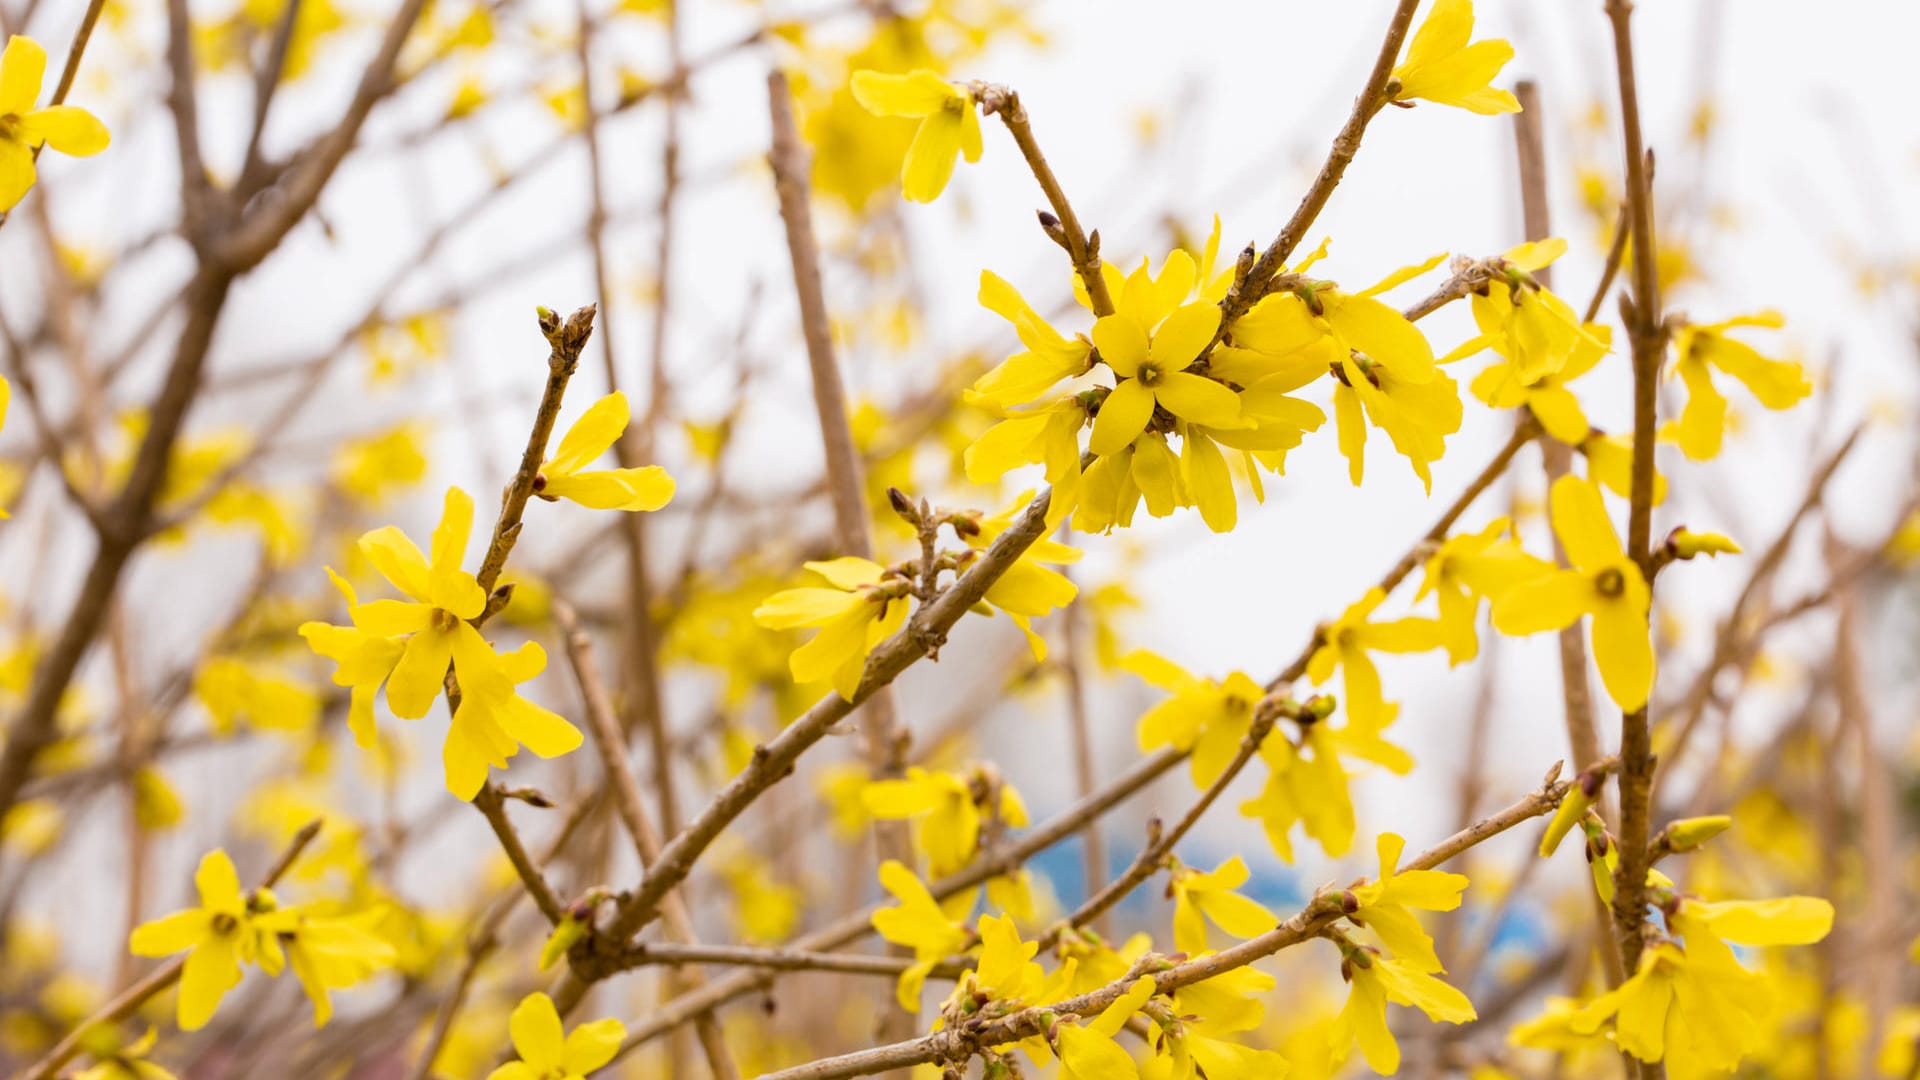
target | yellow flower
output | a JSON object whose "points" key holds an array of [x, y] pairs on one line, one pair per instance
{"points": [[1603, 583], [1375, 980], [1307, 785], [1469, 567], [863, 608], [1205, 717], [1150, 341], [491, 726], [1527, 325], [1049, 358], [1347, 641], [919, 924], [1211, 894], [434, 620], [231, 689], [1387, 903], [370, 469], [1443, 68], [1027, 590], [1778, 384], [114, 1062], [224, 932], [562, 476], [328, 953], [1547, 397], [1090, 1052], [1695, 1008], [949, 126], [765, 910], [1381, 363], [943, 803], [1610, 464], [24, 129], [362, 661], [1047, 435], [548, 1052]]}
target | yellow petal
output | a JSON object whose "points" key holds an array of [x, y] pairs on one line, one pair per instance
{"points": [[922, 93], [67, 128], [1122, 417], [1580, 521], [590, 436], [22, 68]]}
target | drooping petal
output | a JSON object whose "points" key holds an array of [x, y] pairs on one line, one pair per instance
{"points": [[932, 155], [1623, 650], [394, 554], [537, 1033], [67, 128], [170, 934], [16, 173], [212, 969], [1122, 417], [1580, 521], [597, 429]]}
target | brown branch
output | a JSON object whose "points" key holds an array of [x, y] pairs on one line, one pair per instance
{"points": [[491, 802], [1647, 331], [633, 814], [1373, 97], [1083, 249], [1318, 916]]}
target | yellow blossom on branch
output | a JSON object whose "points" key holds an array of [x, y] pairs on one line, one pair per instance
{"points": [[1442, 67], [863, 608], [565, 475], [548, 1051], [24, 129], [949, 125], [1603, 583]]}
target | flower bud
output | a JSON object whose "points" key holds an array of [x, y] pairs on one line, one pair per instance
{"points": [[1688, 834]]}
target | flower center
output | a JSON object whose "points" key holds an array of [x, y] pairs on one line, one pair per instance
{"points": [[443, 619], [1149, 374], [225, 923], [1610, 582]]}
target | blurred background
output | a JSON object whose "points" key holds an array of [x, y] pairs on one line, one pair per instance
{"points": [[387, 348]]}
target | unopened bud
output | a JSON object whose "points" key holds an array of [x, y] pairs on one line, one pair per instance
{"points": [[1686, 545], [566, 933], [1687, 834], [903, 505]]}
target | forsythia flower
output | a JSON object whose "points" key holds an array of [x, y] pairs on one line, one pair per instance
{"points": [[1547, 397], [218, 936], [490, 727], [230, 688], [328, 954], [1203, 717], [1779, 384], [1526, 324], [1383, 366], [370, 468], [1603, 583], [24, 129], [1443, 68], [1149, 341], [949, 126], [548, 1052], [1050, 357], [124, 1062], [1027, 590], [1211, 893], [859, 612], [949, 818], [1375, 980], [919, 924], [434, 621], [1386, 904], [1347, 641], [1469, 567], [562, 475]]}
